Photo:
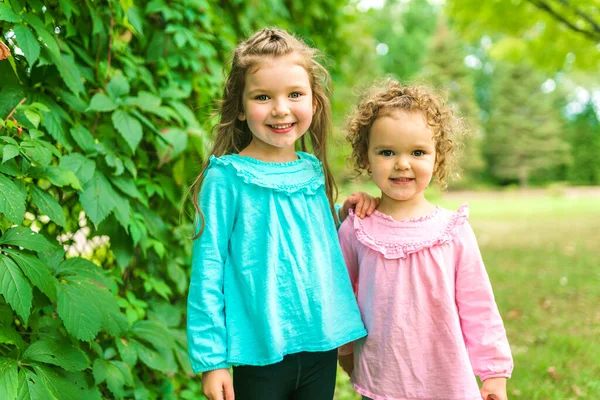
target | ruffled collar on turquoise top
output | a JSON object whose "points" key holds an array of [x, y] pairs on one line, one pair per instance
{"points": [[304, 174]]}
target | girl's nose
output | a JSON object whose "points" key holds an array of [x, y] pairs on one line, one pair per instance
{"points": [[280, 109], [401, 164]]}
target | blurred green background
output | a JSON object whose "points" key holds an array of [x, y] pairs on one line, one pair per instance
{"points": [[105, 116]]}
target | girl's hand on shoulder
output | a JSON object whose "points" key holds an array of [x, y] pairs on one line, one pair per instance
{"points": [[218, 385], [494, 389], [363, 204]]}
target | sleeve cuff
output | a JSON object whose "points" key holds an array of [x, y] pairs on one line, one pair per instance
{"points": [[505, 375], [206, 368]]}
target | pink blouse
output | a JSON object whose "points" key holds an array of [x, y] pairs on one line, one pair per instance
{"points": [[427, 303]]}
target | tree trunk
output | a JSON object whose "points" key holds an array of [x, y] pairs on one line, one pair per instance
{"points": [[523, 177]]}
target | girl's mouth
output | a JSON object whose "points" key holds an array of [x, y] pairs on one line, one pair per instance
{"points": [[401, 181], [282, 128]]}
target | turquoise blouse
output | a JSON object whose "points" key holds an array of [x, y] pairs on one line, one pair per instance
{"points": [[268, 276]]}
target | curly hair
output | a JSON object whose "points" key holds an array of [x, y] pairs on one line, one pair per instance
{"points": [[382, 100]]}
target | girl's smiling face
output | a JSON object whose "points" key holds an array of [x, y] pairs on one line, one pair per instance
{"points": [[277, 103], [401, 156]]}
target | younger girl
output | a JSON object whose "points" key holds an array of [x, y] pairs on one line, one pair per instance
{"points": [[421, 285], [269, 293]]}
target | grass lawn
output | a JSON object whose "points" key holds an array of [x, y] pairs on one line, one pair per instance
{"points": [[543, 257]]}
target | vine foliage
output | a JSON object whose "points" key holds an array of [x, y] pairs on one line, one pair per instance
{"points": [[103, 111]]}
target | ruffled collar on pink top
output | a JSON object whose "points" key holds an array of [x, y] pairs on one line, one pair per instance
{"points": [[397, 239]]}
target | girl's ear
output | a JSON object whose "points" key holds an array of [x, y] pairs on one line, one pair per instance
{"points": [[242, 116]]}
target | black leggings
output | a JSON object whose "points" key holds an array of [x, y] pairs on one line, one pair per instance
{"points": [[299, 376]]}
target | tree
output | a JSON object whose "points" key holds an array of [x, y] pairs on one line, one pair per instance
{"points": [[584, 136], [524, 132], [445, 68], [523, 29], [406, 29]]}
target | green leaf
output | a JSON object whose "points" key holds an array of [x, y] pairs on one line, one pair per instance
{"points": [[109, 372], [10, 151], [176, 144], [48, 38], [118, 86], [9, 168], [186, 113], [48, 205], [177, 275], [35, 133], [33, 117], [33, 387], [36, 271], [66, 385], [28, 43], [135, 17], [37, 151], [115, 162], [83, 270], [152, 332], [84, 139], [152, 358], [9, 335], [129, 127], [67, 68], [145, 101], [75, 306], [24, 237], [57, 353], [127, 350], [125, 371], [184, 361], [6, 14], [82, 166], [9, 378], [126, 185], [130, 165], [94, 199], [57, 175], [12, 200], [54, 121], [166, 314], [122, 209], [102, 103], [81, 274], [15, 288], [113, 320], [68, 7]]}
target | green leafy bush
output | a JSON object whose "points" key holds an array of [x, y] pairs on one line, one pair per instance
{"points": [[100, 104]]}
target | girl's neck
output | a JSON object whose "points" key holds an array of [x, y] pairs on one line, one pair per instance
{"points": [[405, 209], [268, 153]]}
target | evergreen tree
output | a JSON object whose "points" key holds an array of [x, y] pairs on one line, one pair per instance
{"points": [[524, 131], [445, 68], [584, 135]]}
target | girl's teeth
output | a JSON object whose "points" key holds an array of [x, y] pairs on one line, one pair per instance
{"points": [[281, 126]]}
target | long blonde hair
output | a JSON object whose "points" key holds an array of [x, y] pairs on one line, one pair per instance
{"points": [[233, 135]]}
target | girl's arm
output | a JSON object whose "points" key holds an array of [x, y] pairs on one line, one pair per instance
{"points": [[482, 326], [207, 338]]}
